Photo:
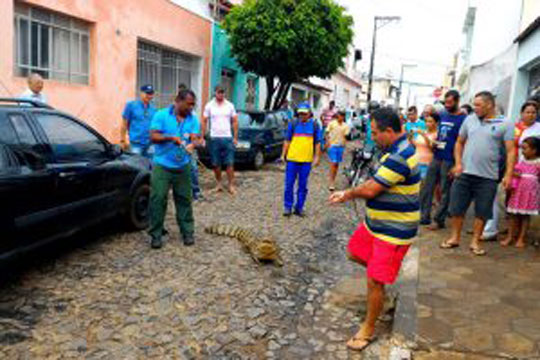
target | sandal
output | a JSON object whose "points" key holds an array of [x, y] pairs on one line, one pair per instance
{"points": [[448, 245], [478, 251], [367, 341], [332, 188]]}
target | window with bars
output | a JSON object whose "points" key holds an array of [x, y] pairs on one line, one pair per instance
{"points": [[227, 82], [50, 44], [164, 69]]}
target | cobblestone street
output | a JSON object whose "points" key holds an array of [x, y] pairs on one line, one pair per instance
{"points": [[115, 298]]}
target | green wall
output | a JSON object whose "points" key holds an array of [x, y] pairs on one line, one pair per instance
{"points": [[222, 58]]}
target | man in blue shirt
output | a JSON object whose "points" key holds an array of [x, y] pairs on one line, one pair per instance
{"points": [[413, 122], [443, 162], [137, 116], [174, 132]]}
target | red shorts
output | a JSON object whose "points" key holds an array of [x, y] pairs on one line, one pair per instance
{"points": [[383, 259]]}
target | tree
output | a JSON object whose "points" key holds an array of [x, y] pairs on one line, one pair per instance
{"points": [[288, 40]]}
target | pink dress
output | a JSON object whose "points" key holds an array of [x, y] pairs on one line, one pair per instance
{"points": [[525, 196]]}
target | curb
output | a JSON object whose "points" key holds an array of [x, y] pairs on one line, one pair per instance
{"points": [[404, 329]]}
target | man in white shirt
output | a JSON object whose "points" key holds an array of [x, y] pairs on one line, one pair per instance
{"points": [[35, 86], [221, 119]]}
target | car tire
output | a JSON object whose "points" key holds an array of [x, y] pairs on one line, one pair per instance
{"points": [[137, 213], [258, 160]]}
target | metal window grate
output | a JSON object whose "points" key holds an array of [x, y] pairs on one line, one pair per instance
{"points": [[52, 45], [165, 69]]}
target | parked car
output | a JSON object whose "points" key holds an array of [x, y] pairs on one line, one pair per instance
{"points": [[59, 176], [260, 138]]}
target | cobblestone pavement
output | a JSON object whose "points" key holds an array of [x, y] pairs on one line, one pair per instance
{"points": [[478, 307], [115, 298]]}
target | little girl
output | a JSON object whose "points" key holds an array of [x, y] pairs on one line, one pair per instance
{"points": [[424, 142], [525, 194]]}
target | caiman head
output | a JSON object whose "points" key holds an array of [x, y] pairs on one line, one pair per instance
{"points": [[267, 250]]}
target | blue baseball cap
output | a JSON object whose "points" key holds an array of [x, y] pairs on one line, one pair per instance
{"points": [[147, 89], [303, 108]]}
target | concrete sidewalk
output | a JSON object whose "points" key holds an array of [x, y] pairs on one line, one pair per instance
{"points": [[477, 307]]}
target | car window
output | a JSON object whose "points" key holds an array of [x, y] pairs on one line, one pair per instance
{"points": [[245, 121], [69, 140], [4, 163], [15, 130], [7, 132], [271, 121]]}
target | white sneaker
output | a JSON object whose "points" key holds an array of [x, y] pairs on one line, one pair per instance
{"points": [[489, 237]]}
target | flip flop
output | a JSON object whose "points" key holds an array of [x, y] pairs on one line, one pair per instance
{"points": [[332, 188], [478, 251], [448, 245], [368, 341]]}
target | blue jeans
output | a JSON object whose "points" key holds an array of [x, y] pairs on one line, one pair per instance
{"points": [[146, 150], [195, 176], [294, 171]]}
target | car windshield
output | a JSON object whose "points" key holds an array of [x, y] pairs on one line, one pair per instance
{"points": [[246, 121]]}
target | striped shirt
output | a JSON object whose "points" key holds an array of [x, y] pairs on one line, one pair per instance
{"points": [[394, 215]]}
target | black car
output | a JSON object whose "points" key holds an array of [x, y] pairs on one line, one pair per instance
{"points": [[58, 176], [260, 137]]}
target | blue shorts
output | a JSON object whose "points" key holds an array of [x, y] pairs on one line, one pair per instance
{"points": [[221, 151], [335, 153], [423, 170]]}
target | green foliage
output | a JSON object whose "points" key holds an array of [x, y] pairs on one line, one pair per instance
{"points": [[289, 39]]}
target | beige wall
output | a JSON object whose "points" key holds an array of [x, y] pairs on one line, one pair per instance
{"points": [[115, 27], [530, 11]]}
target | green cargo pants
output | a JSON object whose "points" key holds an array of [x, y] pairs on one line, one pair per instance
{"points": [[161, 181]]}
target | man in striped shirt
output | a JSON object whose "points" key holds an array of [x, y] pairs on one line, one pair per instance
{"points": [[392, 216]]}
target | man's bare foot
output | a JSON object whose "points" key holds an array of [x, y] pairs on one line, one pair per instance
{"points": [[507, 241], [520, 244], [361, 340], [231, 190], [477, 249], [449, 244], [218, 188]]}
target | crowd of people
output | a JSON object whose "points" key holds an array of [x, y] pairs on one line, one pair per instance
{"points": [[458, 156]]}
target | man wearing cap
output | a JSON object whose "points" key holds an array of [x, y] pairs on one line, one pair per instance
{"points": [[221, 118], [137, 116], [174, 131], [301, 148]]}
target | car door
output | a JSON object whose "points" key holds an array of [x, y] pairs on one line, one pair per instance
{"points": [[27, 203], [79, 158]]}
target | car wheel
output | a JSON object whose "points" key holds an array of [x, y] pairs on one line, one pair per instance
{"points": [[258, 160], [137, 214]]}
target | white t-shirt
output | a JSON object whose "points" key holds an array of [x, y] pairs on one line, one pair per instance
{"points": [[220, 118], [30, 95], [533, 130]]}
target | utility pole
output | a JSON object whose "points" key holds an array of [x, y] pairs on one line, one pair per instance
{"points": [[384, 20], [399, 92]]}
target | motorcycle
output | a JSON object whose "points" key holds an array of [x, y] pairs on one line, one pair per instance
{"points": [[362, 165]]}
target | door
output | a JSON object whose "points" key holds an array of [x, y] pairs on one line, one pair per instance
{"points": [[79, 160], [27, 203]]}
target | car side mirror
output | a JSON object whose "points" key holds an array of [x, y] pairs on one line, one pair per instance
{"points": [[116, 150]]}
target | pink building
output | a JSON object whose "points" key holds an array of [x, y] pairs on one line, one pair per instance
{"points": [[94, 54]]}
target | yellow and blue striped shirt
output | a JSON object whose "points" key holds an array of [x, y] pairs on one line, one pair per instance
{"points": [[394, 215]]}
